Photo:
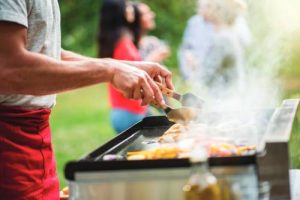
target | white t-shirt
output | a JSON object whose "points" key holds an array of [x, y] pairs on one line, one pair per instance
{"points": [[42, 20]]}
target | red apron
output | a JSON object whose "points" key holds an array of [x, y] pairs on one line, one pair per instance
{"points": [[27, 165]]}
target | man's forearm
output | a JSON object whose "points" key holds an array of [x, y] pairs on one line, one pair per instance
{"points": [[36, 74], [25, 72], [163, 73], [72, 56]]}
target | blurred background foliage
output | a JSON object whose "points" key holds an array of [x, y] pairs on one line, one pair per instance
{"points": [[80, 120], [80, 24]]}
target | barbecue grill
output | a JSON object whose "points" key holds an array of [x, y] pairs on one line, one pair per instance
{"points": [[93, 178]]}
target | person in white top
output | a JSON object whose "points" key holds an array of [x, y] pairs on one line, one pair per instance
{"points": [[213, 44], [33, 69]]}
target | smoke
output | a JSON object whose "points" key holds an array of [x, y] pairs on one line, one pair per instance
{"points": [[272, 24], [256, 81]]}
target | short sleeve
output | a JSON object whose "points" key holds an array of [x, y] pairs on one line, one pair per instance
{"points": [[14, 11]]}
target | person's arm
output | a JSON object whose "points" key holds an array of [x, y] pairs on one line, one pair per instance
{"points": [[155, 70], [153, 49], [24, 72], [67, 55], [158, 55]]}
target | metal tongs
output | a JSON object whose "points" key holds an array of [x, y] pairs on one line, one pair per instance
{"points": [[187, 99], [191, 105]]}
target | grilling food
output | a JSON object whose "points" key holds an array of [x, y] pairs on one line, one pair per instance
{"points": [[173, 134], [64, 194], [179, 140], [156, 153]]}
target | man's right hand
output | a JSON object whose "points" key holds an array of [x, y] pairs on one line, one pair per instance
{"points": [[135, 83]]}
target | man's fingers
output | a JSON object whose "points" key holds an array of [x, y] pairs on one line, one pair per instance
{"points": [[157, 93], [166, 75], [157, 79], [137, 93], [147, 93], [169, 82], [128, 94]]}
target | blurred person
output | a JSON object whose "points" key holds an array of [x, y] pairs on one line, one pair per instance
{"points": [[151, 48], [154, 49], [33, 69], [204, 49], [122, 25], [196, 43]]}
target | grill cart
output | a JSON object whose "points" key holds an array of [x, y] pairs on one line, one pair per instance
{"points": [[93, 178]]}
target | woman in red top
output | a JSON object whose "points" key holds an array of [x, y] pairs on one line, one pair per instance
{"points": [[120, 32]]}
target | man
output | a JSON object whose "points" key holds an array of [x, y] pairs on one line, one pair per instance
{"points": [[32, 69]]}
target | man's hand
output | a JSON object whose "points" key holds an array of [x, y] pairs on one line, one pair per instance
{"points": [[134, 79], [156, 71], [135, 83]]}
